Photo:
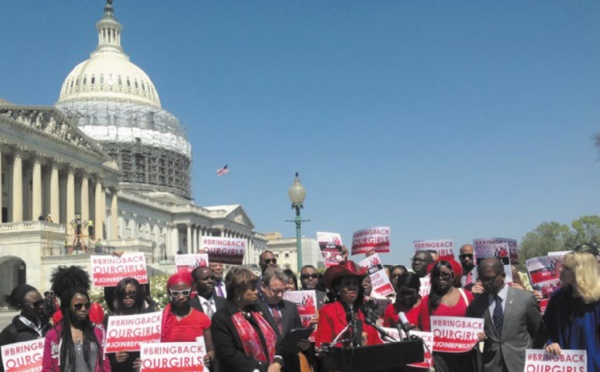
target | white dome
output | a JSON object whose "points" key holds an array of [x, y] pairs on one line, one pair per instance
{"points": [[108, 73]]}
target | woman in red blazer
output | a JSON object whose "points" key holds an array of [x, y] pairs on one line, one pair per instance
{"points": [[343, 282]]}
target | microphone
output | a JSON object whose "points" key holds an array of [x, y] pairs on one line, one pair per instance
{"points": [[351, 319], [384, 335], [404, 324]]}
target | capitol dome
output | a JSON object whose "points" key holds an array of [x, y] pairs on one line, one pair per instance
{"points": [[114, 102]]}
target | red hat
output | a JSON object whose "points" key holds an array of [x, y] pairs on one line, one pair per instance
{"points": [[345, 268]]}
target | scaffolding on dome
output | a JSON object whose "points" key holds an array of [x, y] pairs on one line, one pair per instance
{"points": [[148, 143]]}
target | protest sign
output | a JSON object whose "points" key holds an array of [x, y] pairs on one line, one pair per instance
{"points": [[544, 274], [427, 338], [498, 250], [443, 247], [224, 250], [455, 334], [331, 248], [425, 286], [188, 262], [107, 271], [127, 332], [23, 356], [569, 360], [513, 248], [173, 356], [379, 280], [373, 238], [306, 302]]}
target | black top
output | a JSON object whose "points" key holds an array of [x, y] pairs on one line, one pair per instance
{"points": [[17, 331]]}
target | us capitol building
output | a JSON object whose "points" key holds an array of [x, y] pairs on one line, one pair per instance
{"points": [[106, 153]]}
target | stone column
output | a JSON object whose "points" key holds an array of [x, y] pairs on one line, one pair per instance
{"points": [[17, 188], [85, 197], [114, 214], [174, 240], [100, 211], [36, 197], [54, 193], [70, 201], [1, 185], [189, 238]]}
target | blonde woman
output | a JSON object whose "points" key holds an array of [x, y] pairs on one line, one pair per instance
{"points": [[572, 317]]}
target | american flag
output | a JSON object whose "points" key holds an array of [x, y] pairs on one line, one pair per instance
{"points": [[223, 171]]}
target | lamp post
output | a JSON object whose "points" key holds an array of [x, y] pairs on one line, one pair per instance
{"points": [[297, 193]]}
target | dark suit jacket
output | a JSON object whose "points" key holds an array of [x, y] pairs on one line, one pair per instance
{"points": [[522, 320], [196, 304], [228, 345], [290, 319]]}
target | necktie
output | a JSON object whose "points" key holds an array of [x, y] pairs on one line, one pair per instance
{"points": [[277, 318], [208, 309], [469, 279], [219, 289], [498, 316]]}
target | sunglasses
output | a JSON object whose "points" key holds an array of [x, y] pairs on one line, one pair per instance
{"points": [[306, 276], [270, 260], [130, 294], [443, 275], [185, 292], [208, 278], [466, 255], [36, 304], [490, 279], [79, 307]]}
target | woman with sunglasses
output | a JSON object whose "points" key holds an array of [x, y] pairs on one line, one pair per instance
{"points": [[445, 299], [128, 299], [75, 343], [181, 322], [407, 301], [31, 323], [572, 318]]}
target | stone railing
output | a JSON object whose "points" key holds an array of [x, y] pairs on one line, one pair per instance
{"points": [[29, 226]]}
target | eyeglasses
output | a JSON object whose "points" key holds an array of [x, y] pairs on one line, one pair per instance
{"points": [[270, 260], [130, 294], [306, 276], [490, 279], [466, 255], [80, 306], [278, 291], [418, 260], [443, 275], [185, 292]]}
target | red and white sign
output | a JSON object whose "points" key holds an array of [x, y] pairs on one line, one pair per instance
{"points": [[188, 262], [224, 250], [127, 332], [373, 238], [23, 356], [443, 247], [173, 356], [107, 271], [513, 247], [379, 280], [306, 301], [427, 338], [569, 360], [498, 250], [331, 248], [425, 286], [544, 275], [453, 334]]}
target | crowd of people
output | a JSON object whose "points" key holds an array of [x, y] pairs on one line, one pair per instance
{"points": [[244, 318]]}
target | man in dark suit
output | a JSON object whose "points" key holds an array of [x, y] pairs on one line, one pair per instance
{"points": [[206, 301], [512, 319], [281, 314]]}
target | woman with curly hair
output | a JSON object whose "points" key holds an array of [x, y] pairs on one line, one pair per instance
{"points": [[572, 318], [445, 299], [75, 343]]}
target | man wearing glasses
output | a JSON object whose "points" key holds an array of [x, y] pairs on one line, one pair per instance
{"points": [[467, 261], [309, 277], [512, 319], [420, 261], [266, 259], [204, 282]]}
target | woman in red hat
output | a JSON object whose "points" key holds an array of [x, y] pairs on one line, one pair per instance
{"points": [[344, 283]]}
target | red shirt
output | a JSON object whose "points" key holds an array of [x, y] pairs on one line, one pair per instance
{"points": [[459, 309], [390, 316], [332, 320], [187, 329]]}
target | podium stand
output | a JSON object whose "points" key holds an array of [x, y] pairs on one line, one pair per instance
{"points": [[373, 358]]}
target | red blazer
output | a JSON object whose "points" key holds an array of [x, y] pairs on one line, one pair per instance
{"points": [[332, 320]]}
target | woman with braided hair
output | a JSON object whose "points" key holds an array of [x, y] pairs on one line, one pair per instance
{"points": [[75, 343]]}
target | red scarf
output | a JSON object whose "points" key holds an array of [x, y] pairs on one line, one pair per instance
{"points": [[250, 338]]}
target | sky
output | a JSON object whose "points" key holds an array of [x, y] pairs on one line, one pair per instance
{"points": [[440, 119]]}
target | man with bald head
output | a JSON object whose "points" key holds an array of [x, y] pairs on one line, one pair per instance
{"points": [[512, 319], [467, 261]]}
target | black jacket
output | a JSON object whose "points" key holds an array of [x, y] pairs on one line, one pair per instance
{"points": [[17, 331]]}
